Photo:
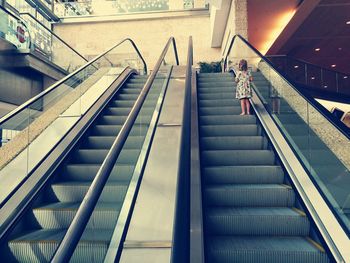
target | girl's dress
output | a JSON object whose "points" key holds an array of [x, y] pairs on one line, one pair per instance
{"points": [[243, 90]]}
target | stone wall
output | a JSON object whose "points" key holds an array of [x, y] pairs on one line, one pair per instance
{"points": [[150, 35]]}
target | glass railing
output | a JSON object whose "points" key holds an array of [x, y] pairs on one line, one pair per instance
{"points": [[68, 99], [313, 76], [322, 148], [122, 168], [52, 47], [104, 7]]}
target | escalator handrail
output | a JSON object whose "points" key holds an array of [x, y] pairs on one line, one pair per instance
{"points": [[324, 112], [196, 212], [54, 34], [71, 239], [58, 83]]}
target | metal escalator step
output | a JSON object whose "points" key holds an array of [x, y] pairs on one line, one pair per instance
{"points": [[217, 96], [243, 175], [40, 245], [256, 221], [76, 191], [134, 90], [97, 156], [130, 103], [213, 87], [237, 157], [229, 130], [105, 142], [252, 249], [113, 130], [117, 111], [226, 119], [230, 110], [124, 112], [135, 96], [249, 195], [139, 86], [84, 172], [60, 215], [218, 102], [233, 143], [143, 81]]}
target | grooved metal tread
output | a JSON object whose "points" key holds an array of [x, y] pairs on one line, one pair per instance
{"points": [[264, 249]]}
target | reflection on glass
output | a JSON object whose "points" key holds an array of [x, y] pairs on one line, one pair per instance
{"points": [[70, 99], [320, 146], [314, 77]]}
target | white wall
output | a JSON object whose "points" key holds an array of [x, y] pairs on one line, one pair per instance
{"points": [[150, 35]]}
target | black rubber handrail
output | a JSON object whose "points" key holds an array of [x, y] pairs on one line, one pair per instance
{"points": [[54, 34], [71, 239], [196, 212], [57, 84], [325, 113]]}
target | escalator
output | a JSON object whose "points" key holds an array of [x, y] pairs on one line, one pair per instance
{"points": [[111, 140], [251, 212], [47, 221]]}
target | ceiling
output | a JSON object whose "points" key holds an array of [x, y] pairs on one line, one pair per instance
{"points": [[318, 33]]}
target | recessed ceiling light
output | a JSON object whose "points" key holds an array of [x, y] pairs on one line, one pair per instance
{"points": [[348, 22], [339, 48], [345, 77], [296, 66], [325, 86], [312, 77], [317, 49], [333, 65]]}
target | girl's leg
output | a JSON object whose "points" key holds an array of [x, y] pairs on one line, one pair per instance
{"points": [[242, 106], [247, 105]]}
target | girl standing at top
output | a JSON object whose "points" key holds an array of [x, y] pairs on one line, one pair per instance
{"points": [[243, 90]]}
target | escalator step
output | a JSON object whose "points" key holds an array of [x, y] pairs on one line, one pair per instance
{"points": [[83, 172], [231, 110], [216, 87], [237, 157], [251, 249], [229, 130], [216, 96], [227, 119], [243, 175], [218, 102], [97, 156], [105, 142], [40, 245], [75, 191], [256, 221], [249, 195], [113, 130], [233, 143], [60, 215]]}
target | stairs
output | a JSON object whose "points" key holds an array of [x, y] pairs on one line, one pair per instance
{"points": [[249, 213], [45, 224]]}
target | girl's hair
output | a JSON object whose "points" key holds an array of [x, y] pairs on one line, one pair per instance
{"points": [[243, 65]]}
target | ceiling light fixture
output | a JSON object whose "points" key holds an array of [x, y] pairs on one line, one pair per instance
{"points": [[317, 49], [333, 65], [339, 48], [312, 77], [325, 86], [345, 77], [348, 22], [296, 66]]}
